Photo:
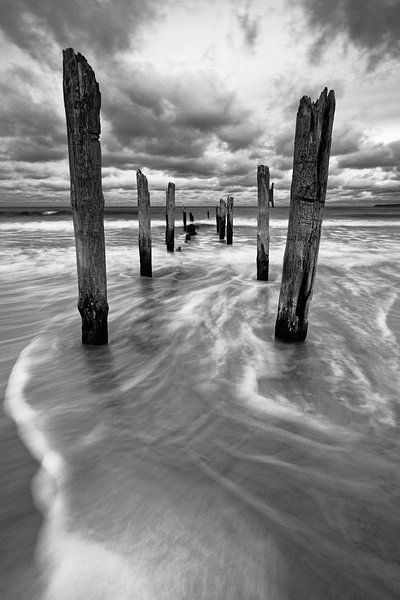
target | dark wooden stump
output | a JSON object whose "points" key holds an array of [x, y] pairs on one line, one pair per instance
{"points": [[170, 217], [229, 220], [82, 102], [263, 223], [217, 217], [310, 176], [271, 196], [184, 219], [143, 197], [222, 219]]}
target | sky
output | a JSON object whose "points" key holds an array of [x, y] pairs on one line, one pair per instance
{"points": [[199, 93]]}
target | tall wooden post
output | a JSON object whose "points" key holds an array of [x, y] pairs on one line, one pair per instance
{"points": [[271, 195], [222, 219], [312, 147], [143, 197], [82, 102], [229, 220], [262, 223], [217, 217], [170, 217], [184, 219]]}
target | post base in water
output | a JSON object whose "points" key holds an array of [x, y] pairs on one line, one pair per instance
{"points": [[287, 332], [94, 325]]}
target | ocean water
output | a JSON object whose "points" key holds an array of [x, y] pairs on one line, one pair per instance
{"points": [[195, 456]]}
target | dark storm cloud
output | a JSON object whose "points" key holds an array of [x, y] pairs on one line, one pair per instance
{"points": [[172, 121], [30, 130], [370, 24], [104, 26], [379, 155]]}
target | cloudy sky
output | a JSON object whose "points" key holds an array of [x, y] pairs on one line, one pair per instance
{"points": [[200, 92]]}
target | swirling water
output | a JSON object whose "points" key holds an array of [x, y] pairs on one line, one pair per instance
{"points": [[195, 456]]}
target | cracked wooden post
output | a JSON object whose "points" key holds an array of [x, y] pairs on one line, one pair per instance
{"points": [[144, 241], [229, 220], [184, 219], [170, 217], [82, 101], [222, 219], [271, 195], [310, 176], [262, 223]]}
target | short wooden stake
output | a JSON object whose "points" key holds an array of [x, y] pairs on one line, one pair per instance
{"points": [[222, 219], [143, 197], [82, 102], [229, 220], [312, 147], [170, 217], [263, 223], [271, 196]]}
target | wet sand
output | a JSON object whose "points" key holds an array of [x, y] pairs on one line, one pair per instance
{"points": [[19, 519]]}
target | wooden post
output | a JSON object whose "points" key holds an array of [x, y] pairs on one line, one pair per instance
{"points": [[184, 218], [271, 195], [229, 221], [143, 197], [82, 102], [312, 147], [170, 217], [222, 219], [217, 217], [263, 223]]}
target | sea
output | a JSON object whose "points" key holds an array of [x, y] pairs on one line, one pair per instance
{"points": [[195, 456]]}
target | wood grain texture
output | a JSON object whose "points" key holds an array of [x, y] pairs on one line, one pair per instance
{"points": [[310, 176], [262, 222], [144, 240], [82, 101], [170, 217]]}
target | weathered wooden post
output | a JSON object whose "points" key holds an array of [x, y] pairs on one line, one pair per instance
{"points": [[262, 223], [170, 217], [143, 197], [229, 220], [271, 195], [82, 102], [312, 147], [217, 217], [184, 218], [222, 219]]}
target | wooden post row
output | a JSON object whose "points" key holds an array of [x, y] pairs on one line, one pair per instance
{"points": [[170, 217], [309, 181], [262, 223], [82, 101], [144, 241]]}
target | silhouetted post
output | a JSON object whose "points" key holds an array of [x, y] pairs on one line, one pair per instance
{"points": [[170, 217], [143, 197], [217, 217], [312, 147], [222, 219], [191, 217], [262, 223], [82, 102], [184, 218], [229, 220], [271, 195]]}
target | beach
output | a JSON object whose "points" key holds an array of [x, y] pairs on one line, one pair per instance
{"points": [[195, 456]]}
